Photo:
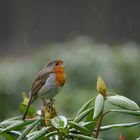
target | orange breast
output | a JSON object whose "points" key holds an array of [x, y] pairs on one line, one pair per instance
{"points": [[60, 75]]}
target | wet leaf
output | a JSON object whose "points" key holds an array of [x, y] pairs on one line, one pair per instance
{"points": [[59, 122], [8, 136], [17, 125], [118, 125], [136, 113], [79, 127], [85, 106], [99, 105], [80, 136], [83, 114], [39, 134], [28, 129], [122, 102]]}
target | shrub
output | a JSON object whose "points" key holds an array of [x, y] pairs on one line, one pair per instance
{"points": [[87, 123]]}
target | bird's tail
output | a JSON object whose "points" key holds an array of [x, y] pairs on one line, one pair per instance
{"points": [[27, 107]]}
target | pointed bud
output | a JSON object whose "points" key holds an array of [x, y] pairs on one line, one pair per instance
{"points": [[25, 99], [101, 87], [122, 137]]}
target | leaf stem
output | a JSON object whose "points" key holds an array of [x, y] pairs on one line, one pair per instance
{"points": [[99, 125], [105, 113]]}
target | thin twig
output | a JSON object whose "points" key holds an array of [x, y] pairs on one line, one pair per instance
{"points": [[105, 113], [99, 125]]}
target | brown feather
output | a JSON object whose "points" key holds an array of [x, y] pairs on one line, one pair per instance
{"points": [[39, 81]]}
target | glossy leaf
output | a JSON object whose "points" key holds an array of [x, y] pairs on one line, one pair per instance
{"points": [[15, 133], [85, 106], [8, 136], [13, 118], [90, 116], [83, 114], [99, 105], [59, 122], [28, 129], [7, 123], [50, 134], [10, 121], [17, 125], [39, 134], [80, 136], [79, 127], [118, 125], [123, 102], [138, 138], [136, 113], [90, 125]]}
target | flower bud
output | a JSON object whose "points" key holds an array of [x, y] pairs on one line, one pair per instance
{"points": [[101, 87], [122, 137], [25, 99]]}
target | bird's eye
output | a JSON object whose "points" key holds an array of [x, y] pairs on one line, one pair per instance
{"points": [[56, 64]]}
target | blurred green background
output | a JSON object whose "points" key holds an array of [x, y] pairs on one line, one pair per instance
{"points": [[86, 48]]}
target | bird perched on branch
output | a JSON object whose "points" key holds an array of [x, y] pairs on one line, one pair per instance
{"points": [[48, 83]]}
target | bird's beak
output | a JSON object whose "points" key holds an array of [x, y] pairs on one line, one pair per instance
{"points": [[63, 66]]}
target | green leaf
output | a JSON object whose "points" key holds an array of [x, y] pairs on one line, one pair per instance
{"points": [[17, 125], [13, 118], [1, 129], [123, 102], [7, 123], [83, 114], [85, 106], [31, 110], [8, 136], [99, 105], [90, 125], [15, 133], [28, 129], [138, 138], [39, 134], [59, 122], [136, 113], [86, 124], [90, 116], [80, 136], [79, 127], [50, 134], [31, 134], [10, 121], [118, 125]]}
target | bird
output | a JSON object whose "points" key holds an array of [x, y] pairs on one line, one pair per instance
{"points": [[48, 83]]}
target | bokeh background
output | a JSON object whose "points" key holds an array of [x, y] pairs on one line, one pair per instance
{"points": [[92, 37]]}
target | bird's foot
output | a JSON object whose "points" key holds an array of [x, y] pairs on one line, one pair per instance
{"points": [[52, 101], [48, 105], [44, 102]]}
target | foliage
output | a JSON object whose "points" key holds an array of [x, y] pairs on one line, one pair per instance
{"points": [[87, 123], [84, 60]]}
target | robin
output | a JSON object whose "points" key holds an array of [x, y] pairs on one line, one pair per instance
{"points": [[48, 83]]}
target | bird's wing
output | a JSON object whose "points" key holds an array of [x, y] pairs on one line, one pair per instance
{"points": [[39, 82]]}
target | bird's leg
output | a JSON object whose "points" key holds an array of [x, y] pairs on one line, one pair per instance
{"points": [[52, 101], [45, 102], [48, 105]]}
